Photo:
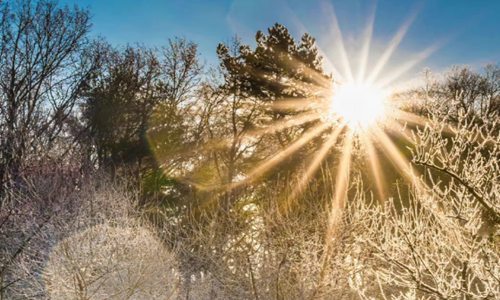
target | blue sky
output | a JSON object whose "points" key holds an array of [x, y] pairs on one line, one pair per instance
{"points": [[467, 32]]}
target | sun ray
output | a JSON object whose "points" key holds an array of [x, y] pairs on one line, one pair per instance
{"points": [[320, 80], [400, 129], [338, 201], [393, 44], [395, 156], [284, 124], [337, 35], [365, 51], [310, 72], [410, 117], [390, 78], [376, 170], [296, 104], [281, 155], [316, 162], [447, 128], [405, 116], [341, 182], [328, 65]]}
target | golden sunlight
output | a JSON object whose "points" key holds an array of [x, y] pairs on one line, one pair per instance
{"points": [[358, 104]]}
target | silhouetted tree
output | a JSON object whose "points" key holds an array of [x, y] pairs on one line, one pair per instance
{"points": [[173, 127], [277, 69], [270, 83], [119, 103]]}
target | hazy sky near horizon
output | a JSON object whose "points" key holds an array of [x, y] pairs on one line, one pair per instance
{"points": [[460, 31]]}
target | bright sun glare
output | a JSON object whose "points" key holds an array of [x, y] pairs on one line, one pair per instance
{"points": [[358, 104]]}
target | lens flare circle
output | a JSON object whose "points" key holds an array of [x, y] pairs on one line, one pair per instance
{"points": [[358, 104]]}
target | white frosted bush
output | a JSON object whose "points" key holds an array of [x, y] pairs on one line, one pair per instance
{"points": [[111, 262]]}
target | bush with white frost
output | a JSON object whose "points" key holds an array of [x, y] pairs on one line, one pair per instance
{"points": [[95, 246], [443, 244], [111, 261]]}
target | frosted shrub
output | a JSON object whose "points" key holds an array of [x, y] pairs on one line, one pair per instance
{"points": [[91, 244], [443, 244], [110, 261]]}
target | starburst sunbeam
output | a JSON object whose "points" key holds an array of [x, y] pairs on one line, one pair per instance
{"points": [[421, 56], [341, 182], [393, 44], [374, 163], [282, 155], [360, 106], [315, 163], [284, 124], [337, 35], [394, 155], [365, 50]]}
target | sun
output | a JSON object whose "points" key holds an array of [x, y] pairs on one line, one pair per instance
{"points": [[359, 105]]}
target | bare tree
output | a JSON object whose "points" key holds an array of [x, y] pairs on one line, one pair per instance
{"points": [[460, 89], [181, 71], [45, 63], [44, 198]]}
